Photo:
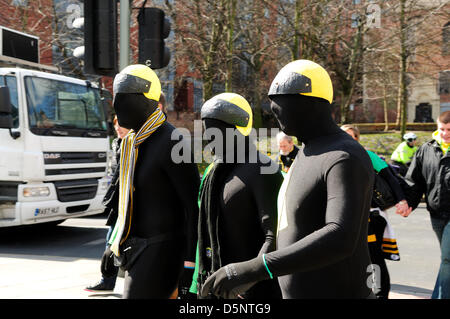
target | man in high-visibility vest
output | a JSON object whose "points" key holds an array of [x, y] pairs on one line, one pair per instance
{"points": [[403, 154]]}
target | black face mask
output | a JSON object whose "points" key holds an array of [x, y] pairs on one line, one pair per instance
{"points": [[238, 143], [302, 116], [133, 109], [213, 123]]}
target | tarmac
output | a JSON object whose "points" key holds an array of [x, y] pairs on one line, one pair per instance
{"points": [[67, 280], [411, 294], [67, 277]]}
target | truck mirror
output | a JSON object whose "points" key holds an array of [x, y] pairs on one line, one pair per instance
{"points": [[6, 120], [105, 105], [111, 129], [5, 102]]}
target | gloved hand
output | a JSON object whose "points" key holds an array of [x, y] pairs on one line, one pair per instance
{"points": [[107, 264], [185, 283], [234, 279]]}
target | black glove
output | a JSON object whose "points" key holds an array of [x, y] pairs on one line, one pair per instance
{"points": [[185, 283], [234, 279], [107, 264]]}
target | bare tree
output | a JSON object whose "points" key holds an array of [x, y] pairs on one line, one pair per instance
{"points": [[257, 46], [199, 26], [214, 36], [65, 37], [332, 34], [230, 26], [408, 37]]}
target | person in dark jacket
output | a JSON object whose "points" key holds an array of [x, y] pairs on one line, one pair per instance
{"points": [[380, 239], [111, 202], [288, 151], [429, 174], [155, 236]]}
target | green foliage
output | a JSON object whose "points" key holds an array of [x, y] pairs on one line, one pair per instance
{"points": [[385, 143]]}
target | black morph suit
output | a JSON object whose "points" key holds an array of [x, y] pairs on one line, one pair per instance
{"points": [[245, 204], [164, 205], [322, 242], [323, 253]]}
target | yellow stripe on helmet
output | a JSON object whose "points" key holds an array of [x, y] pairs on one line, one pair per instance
{"points": [[144, 72], [242, 103], [318, 79]]}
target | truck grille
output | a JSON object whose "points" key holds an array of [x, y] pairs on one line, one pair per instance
{"points": [[82, 170], [74, 157], [68, 191]]}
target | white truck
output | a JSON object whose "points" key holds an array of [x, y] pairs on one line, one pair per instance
{"points": [[54, 147]]}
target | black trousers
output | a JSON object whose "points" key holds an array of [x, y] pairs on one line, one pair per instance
{"points": [[156, 272], [377, 225], [402, 168]]}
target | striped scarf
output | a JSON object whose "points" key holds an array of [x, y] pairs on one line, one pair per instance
{"points": [[128, 157]]}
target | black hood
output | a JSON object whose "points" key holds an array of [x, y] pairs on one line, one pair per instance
{"points": [[133, 109], [302, 116]]}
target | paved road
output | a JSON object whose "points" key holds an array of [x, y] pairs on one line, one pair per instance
{"points": [[419, 254], [55, 263], [58, 262]]}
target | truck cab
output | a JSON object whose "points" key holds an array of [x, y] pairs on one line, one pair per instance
{"points": [[54, 147]]}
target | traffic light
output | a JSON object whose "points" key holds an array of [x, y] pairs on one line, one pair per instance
{"points": [[153, 29], [100, 37]]}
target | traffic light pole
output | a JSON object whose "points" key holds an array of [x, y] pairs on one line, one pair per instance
{"points": [[124, 44], [154, 27]]}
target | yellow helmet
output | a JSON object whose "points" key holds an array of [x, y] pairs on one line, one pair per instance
{"points": [[138, 78], [303, 77], [230, 108]]}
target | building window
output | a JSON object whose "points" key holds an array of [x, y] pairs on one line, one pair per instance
{"points": [[446, 39], [355, 20], [444, 82], [20, 3]]}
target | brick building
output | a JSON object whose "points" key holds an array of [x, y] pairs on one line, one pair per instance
{"points": [[429, 74]]}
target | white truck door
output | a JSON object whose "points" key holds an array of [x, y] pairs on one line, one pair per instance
{"points": [[11, 145]]}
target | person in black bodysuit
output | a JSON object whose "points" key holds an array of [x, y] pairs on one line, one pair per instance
{"points": [[237, 198], [322, 233], [164, 194]]}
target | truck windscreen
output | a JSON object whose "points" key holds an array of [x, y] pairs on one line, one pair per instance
{"points": [[57, 106]]}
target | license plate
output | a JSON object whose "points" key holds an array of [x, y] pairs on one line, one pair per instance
{"points": [[46, 211]]}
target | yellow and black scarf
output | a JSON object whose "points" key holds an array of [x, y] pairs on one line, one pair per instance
{"points": [[128, 157]]}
